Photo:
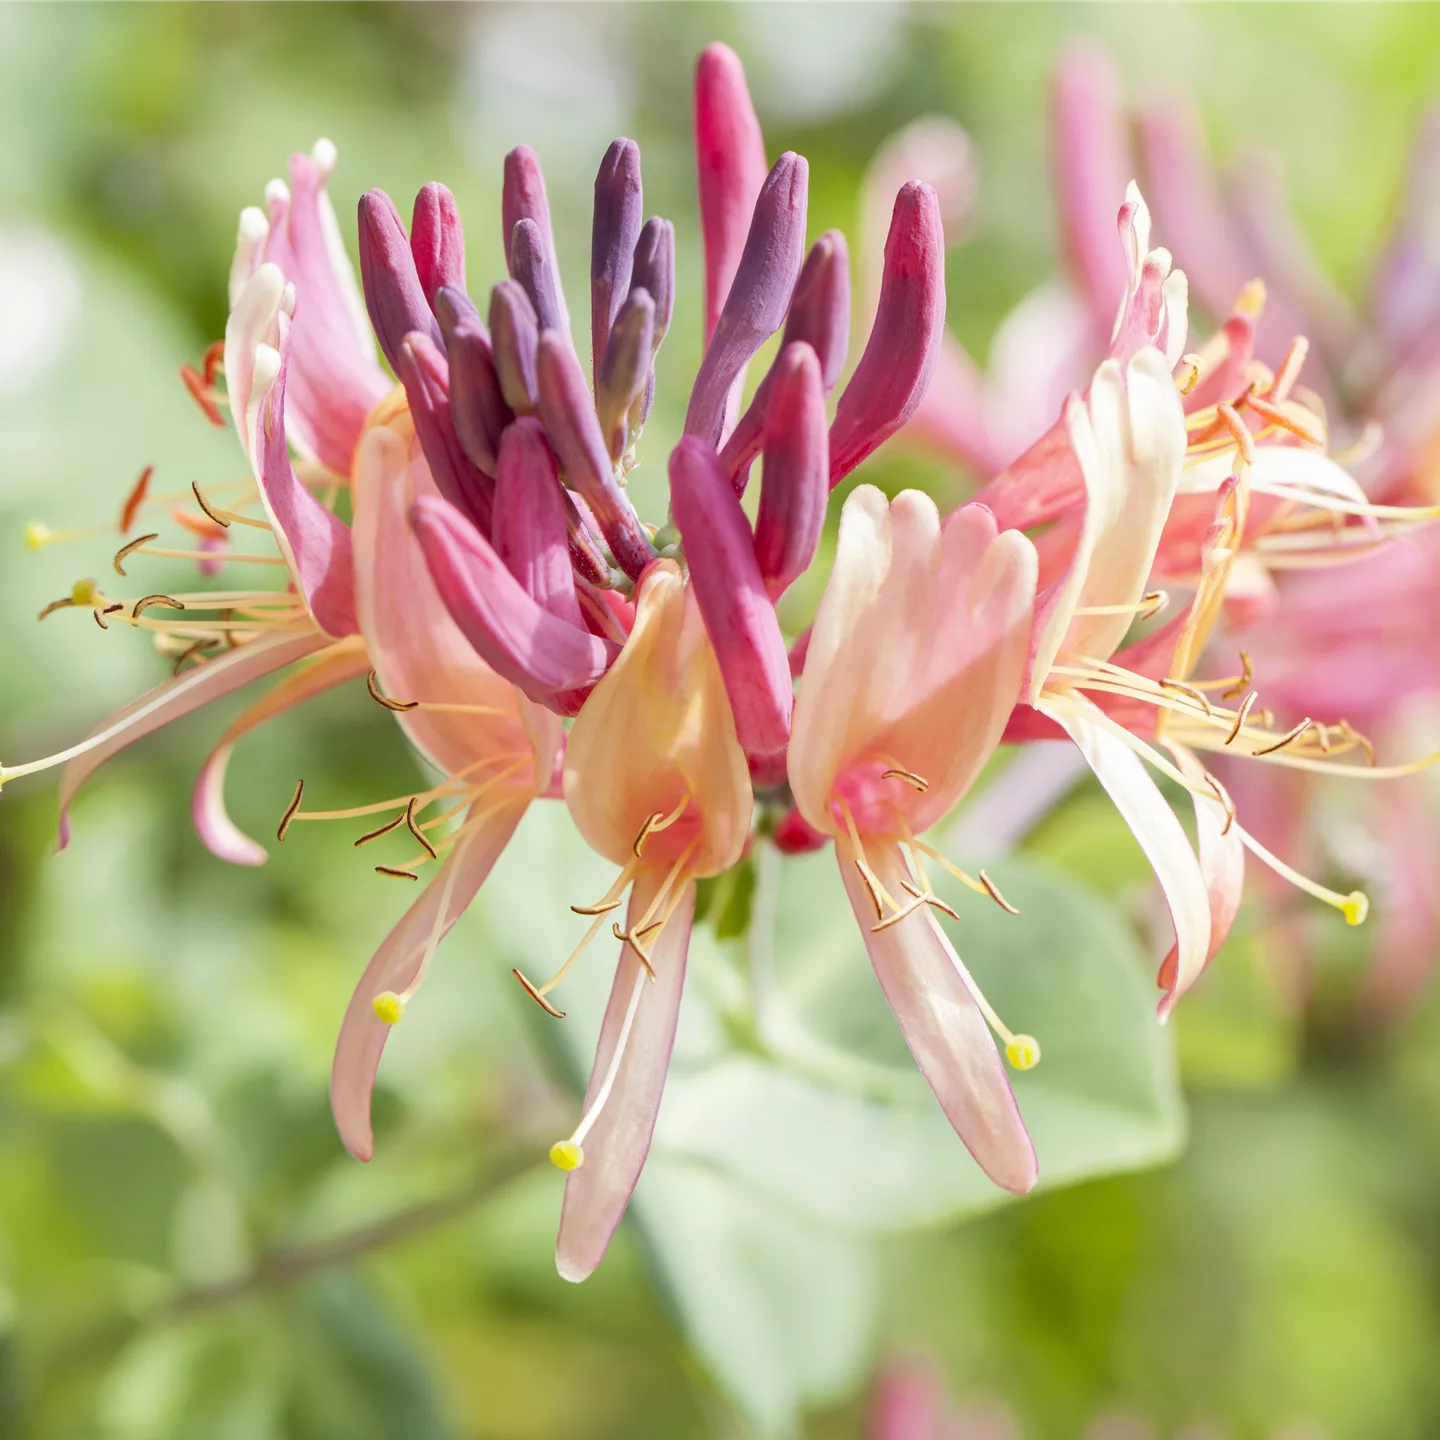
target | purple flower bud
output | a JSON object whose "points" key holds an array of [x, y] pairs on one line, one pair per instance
{"points": [[529, 530], [625, 369], [532, 263], [437, 241], [524, 198], [739, 616], [426, 376], [796, 484], [514, 335], [654, 270], [614, 231], [476, 402], [730, 165], [393, 296], [904, 345], [759, 296], [820, 317], [510, 631], [570, 420]]}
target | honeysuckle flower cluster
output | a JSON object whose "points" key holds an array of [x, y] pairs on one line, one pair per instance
{"points": [[537, 639]]}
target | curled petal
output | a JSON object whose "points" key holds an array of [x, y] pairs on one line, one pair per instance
{"points": [[730, 163], [393, 294], [797, 470], [401, 959], [345, 660], [920, 974], [597, 1193], [614, 233], [437, 240]]}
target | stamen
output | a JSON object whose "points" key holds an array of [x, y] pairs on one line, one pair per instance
{"points": [[63, 604], [130, 549], [396, 872], [1354, 907], [385, 829], [1356, 737], [630, 939], [655, 823], [389, 1007], [213, 362], [219, 557], [409, 818], [1247, 674], [146, 601], [982, 886], [1186, 381], [1288, 738], [135, 499], [290, 810], [1290, 368], [537, 997], [604, 908], [372, 684], [190, 652], [916, 782], [878, 892], [1295, 424], [226, 518], [1240, 716], [202, 395], [1146, 608], [1185, 688], [1223, 796], [929, 896], [1244, 440], [1251, 299], [992, 890], [38, 534]]}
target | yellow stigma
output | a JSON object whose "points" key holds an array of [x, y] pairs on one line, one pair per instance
{"points": [[566, 1155], [1251, 299], [1023, 1052], [389, 1007], [37, 535], [1355, 907], [84, 592]]}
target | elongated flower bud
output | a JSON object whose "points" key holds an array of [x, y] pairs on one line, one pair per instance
{"points": [[625, 369], [426, 376], [654, 270], [476, 402], [393, 294], [613, 236], [524, 198], [514, 336], [574, 430], [739, 617], [759, 296], [894, 372], [797, 470], [519, 639], [532, 263], [820, 317], [730, 164], [437, 240], [528, 531]]}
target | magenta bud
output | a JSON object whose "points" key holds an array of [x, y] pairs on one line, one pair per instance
{"points": [[454, 308], [514, 336], [730, 165], [654, 271], [625, 369], [574, 430], [796, 485], [437, 241], [739, 616], [613, 235], [523, 198], [425, 374], [904, 345], [476, 403], [393, 295], [759, 296], [519, 639], [820, 317], [529, 529], [532, 263]]}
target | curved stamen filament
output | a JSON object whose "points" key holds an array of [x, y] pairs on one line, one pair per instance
{"points": [[1148, 606], [445, 788], [655, 823], [217, 557], [602, 907], [1354, 906]]}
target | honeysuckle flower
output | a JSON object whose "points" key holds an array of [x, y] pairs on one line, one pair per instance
{"points": [[914, 663]]}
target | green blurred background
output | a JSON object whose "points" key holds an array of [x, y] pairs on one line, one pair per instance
{"points": [[185, 1251]]}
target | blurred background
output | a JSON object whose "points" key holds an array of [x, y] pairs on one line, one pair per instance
{"points": [[1236, 1236]]}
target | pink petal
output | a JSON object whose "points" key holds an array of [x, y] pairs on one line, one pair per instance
{"points": [[796, 486], [343, 661], [615, 1149], [918, 970], [437, 240], [178, 697], [398, 961]]}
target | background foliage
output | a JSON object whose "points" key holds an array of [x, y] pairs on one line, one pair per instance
{"points": [[185, 1251]]}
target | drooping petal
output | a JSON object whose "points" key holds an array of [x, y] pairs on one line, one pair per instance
{"points": [[178, 697], [919, 972], [345, 660], [597, 1193], [400, 959]]}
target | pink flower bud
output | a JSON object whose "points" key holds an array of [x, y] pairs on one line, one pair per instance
{"points": [[524, 198], [904, 345], [476, 403], [625, 369], [532, 263], [437, 240], [514, 338], [393, 294], [613, 236], [797, 470]]}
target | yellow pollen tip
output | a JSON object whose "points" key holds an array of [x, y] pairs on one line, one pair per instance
{"points": [[1023, 1052], [1251, 299], [37, 535], [84, 592], [566, 1155], [1356, 907], [388, 1007]]}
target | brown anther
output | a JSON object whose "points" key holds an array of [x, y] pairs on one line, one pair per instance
{"points": [[537, 997], [409, 818], [1153, 603], [146, 601], [397, 874], [202, 395], [930, 898], [134, 545], [204, 504], [135, 499], [385, 829], [651, 821], [372, 684], [1240, 717], [1322, 734], [650, 929], [1356, 737], [231, 642], [1247, 674], [1295, 424], [64, 604], [635, 945], [1244, 440], [903, 913], [213, 361], [190, 652], [100, 619], [995, 894], [603, 909], [916, 782], [1185, 688], [1223, 796], [1194, 366], [290, 810], [869, 880]]}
